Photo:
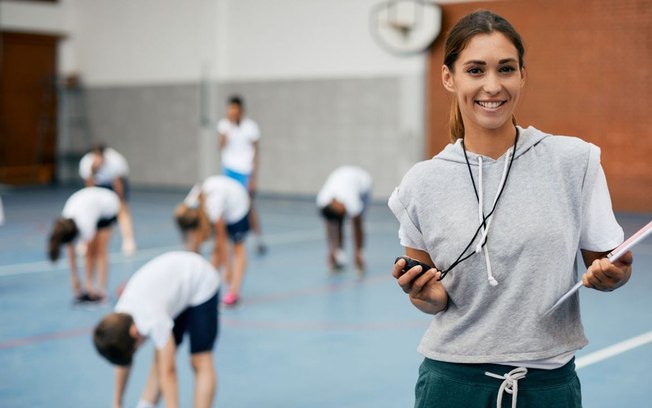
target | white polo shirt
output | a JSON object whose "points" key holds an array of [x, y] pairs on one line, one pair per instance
{"points": [[348, 185], [87, 206], [224, 198], [163, 288], [115, 166], [238, 152]]}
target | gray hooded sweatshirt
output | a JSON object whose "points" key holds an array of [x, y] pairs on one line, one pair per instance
{"points": [[497, 298]]}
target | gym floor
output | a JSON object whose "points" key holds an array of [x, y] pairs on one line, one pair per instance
{"points": [[301, 337]]}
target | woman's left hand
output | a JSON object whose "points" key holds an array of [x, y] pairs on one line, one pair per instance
{"points": [[606, 276]]}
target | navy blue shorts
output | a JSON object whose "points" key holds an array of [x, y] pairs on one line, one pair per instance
{"points": [[238, 230], [201, 322], [125, 188], [106, 222]]}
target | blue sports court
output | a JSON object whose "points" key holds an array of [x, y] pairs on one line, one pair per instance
{"points": [[300, 338]]}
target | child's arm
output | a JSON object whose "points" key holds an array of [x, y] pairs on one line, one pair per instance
{"points": [[168, 373], [119, 188], [121, 377]]}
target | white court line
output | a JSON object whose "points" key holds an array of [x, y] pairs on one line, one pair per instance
{"points": [[292, 237], [141, 254], [614, 350]]}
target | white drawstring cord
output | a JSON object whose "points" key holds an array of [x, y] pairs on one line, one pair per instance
{"points": [[485, 229], [478, 248], [509, 384]]}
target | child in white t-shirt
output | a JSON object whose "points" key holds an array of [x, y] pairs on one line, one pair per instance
{"points": [[171, 295], [346, 192], [105, 167], [88, 215], [219, 204], [239, 136]]}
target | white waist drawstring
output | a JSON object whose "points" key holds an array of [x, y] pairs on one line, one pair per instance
{"points": [[509, 384]]}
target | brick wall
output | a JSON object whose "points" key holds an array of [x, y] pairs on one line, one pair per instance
{"points": [[588, 64]]}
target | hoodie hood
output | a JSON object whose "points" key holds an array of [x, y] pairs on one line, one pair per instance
{"points": [[527, 138]]}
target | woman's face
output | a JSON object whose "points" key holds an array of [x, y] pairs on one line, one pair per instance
{"points": [[486, 81]]}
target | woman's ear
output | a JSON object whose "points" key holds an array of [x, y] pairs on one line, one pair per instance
{"points": [[447, 79], [523, 76]]}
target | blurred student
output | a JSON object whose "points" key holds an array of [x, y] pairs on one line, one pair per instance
{"points": [[104, 167], [219, 205], [173, 294], [238, 143], [346, 192], [88, 216]]}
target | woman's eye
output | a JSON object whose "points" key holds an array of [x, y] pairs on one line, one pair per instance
{"points": [[507, 68], [474, 71]]}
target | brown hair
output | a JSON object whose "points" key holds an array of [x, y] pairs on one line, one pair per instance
{"points": [[113, 340], [63, 232], [190, 219], [475, 23]]}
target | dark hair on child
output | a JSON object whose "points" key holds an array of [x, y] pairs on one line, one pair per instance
{"points": [[187, 218], [330, 214], [190, 219], [63, 232], [99, 148], [236, 100], [113, 340]]}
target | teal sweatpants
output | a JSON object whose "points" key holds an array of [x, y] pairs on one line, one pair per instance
{"points": [[450, 385]]}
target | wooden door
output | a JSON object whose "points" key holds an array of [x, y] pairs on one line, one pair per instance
{"points": [[28, 108]]}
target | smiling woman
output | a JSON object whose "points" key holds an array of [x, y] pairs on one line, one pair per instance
{"points": [[549, 200]]}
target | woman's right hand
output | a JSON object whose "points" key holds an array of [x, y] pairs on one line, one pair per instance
{"points": [[426, 292]]}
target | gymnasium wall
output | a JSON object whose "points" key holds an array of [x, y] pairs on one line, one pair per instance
{"points": [[323, 93], [587, 67]]}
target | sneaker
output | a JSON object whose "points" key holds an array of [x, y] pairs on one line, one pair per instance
{"points": [[340, 258], [97, 298], [231, 299], [261, 249], [81, 298]]}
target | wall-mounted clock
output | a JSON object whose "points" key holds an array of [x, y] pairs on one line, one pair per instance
{"points": [[405, 27]]}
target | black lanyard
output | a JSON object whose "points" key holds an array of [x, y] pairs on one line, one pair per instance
{"points": [[464, 256]]}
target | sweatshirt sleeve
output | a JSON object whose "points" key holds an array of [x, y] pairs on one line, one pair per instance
{"points": [[600, 229], [409, 234]]}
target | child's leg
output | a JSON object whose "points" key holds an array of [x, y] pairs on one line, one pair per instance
{"points": [[238, 268], [89, 264], [126, 229], [202, 322], [74, 277], [102, 239], [205, 379], [121, 187]]}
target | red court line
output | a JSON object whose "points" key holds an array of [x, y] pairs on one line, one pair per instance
{"points": [[331, 288], [42, 338]]}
